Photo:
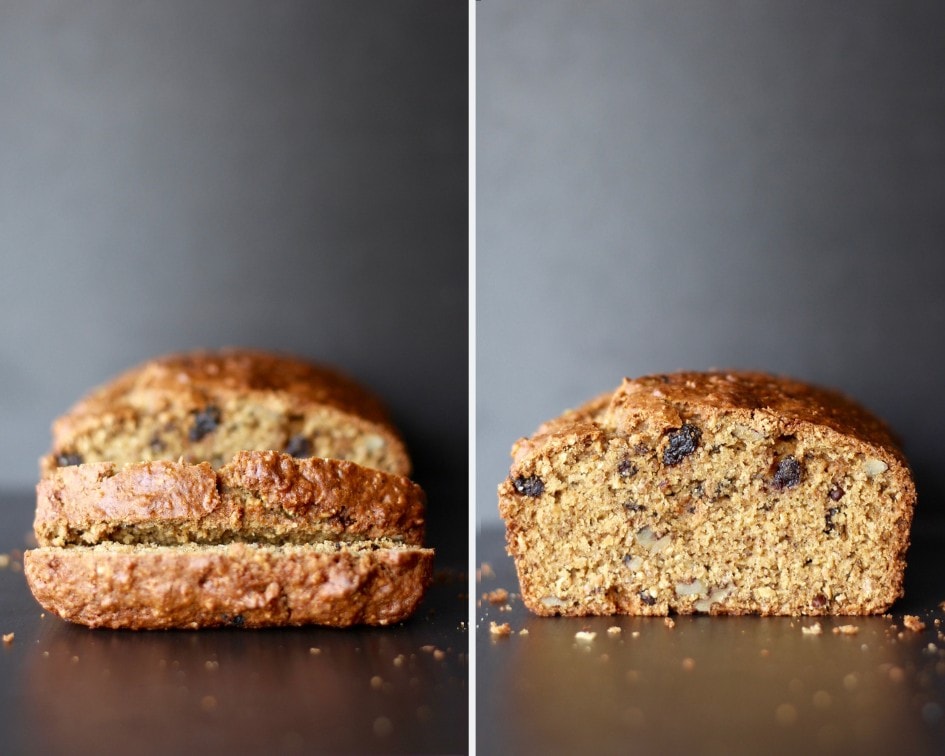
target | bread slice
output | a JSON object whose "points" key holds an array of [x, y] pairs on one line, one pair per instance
{"points": [[266, 497], [145, 587], [207, 406], [725, 493]]}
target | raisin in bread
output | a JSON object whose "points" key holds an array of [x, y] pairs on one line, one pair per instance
{"points": [[206, 406], [725, 493]]}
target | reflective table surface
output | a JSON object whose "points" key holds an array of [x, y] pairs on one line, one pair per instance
{"points": [[67, 689]]}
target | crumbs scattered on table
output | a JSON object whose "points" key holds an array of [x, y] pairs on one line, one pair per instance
{"points": [[814, 629], [314, 651], [669, 622], [399, 660], [523, 631], [4, 561], [485, 571], [615, 630], [8, 638], [913, 623], [635, 634], [500, 631], [585, 636], [846, 630], [498, 596]]}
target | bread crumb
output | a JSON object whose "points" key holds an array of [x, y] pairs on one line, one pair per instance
{"points": [[429, 649], [314, 651], [8, 638], [399, 660], [439, 655], [786, 714], [688, 664], [383, 727], [615, 630], [484, 571], [814, 629], [500, 631], [669, 622], [585, 636], [377, 682], [424, 713], [846, 630], [523, 631], [498, 596], [635, 634], [4, 561], [913, 623]]}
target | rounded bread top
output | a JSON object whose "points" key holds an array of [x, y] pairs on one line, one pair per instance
{"points": [[667, 398], [196, 377]]}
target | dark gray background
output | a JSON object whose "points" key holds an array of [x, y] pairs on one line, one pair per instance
{"points": [[289, 175], [685, 185]]}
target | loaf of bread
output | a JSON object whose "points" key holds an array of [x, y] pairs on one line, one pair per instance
{"points": [[206, 406], [723, 493], [235, 488]]}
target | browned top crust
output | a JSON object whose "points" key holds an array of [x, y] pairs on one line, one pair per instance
{"points": [[670, 399], [260, 495], [193, 381], [206, 377]]}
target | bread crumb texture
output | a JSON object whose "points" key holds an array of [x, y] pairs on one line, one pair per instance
{"points": [[719, 493]]}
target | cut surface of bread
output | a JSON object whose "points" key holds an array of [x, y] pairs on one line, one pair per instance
{"points": [[143, 587], [266, 497], [725, 493], [207, 406]]}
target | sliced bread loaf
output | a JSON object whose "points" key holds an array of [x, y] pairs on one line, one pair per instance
{"points": [[146, 587]]}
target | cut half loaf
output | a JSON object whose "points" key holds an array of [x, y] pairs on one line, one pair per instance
{"points": [[726, 493], [144, 587], [207, 406]]}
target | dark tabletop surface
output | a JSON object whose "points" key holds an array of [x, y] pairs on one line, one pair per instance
{"points": [[68, 689], [710, 685]]}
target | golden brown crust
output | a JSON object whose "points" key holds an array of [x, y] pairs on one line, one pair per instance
{"points": [[238, 585], [793, 403], [719, 493], [289, 393], [259, 496]]}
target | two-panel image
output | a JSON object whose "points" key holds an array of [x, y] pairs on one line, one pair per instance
{"points": [[442, 377]]}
